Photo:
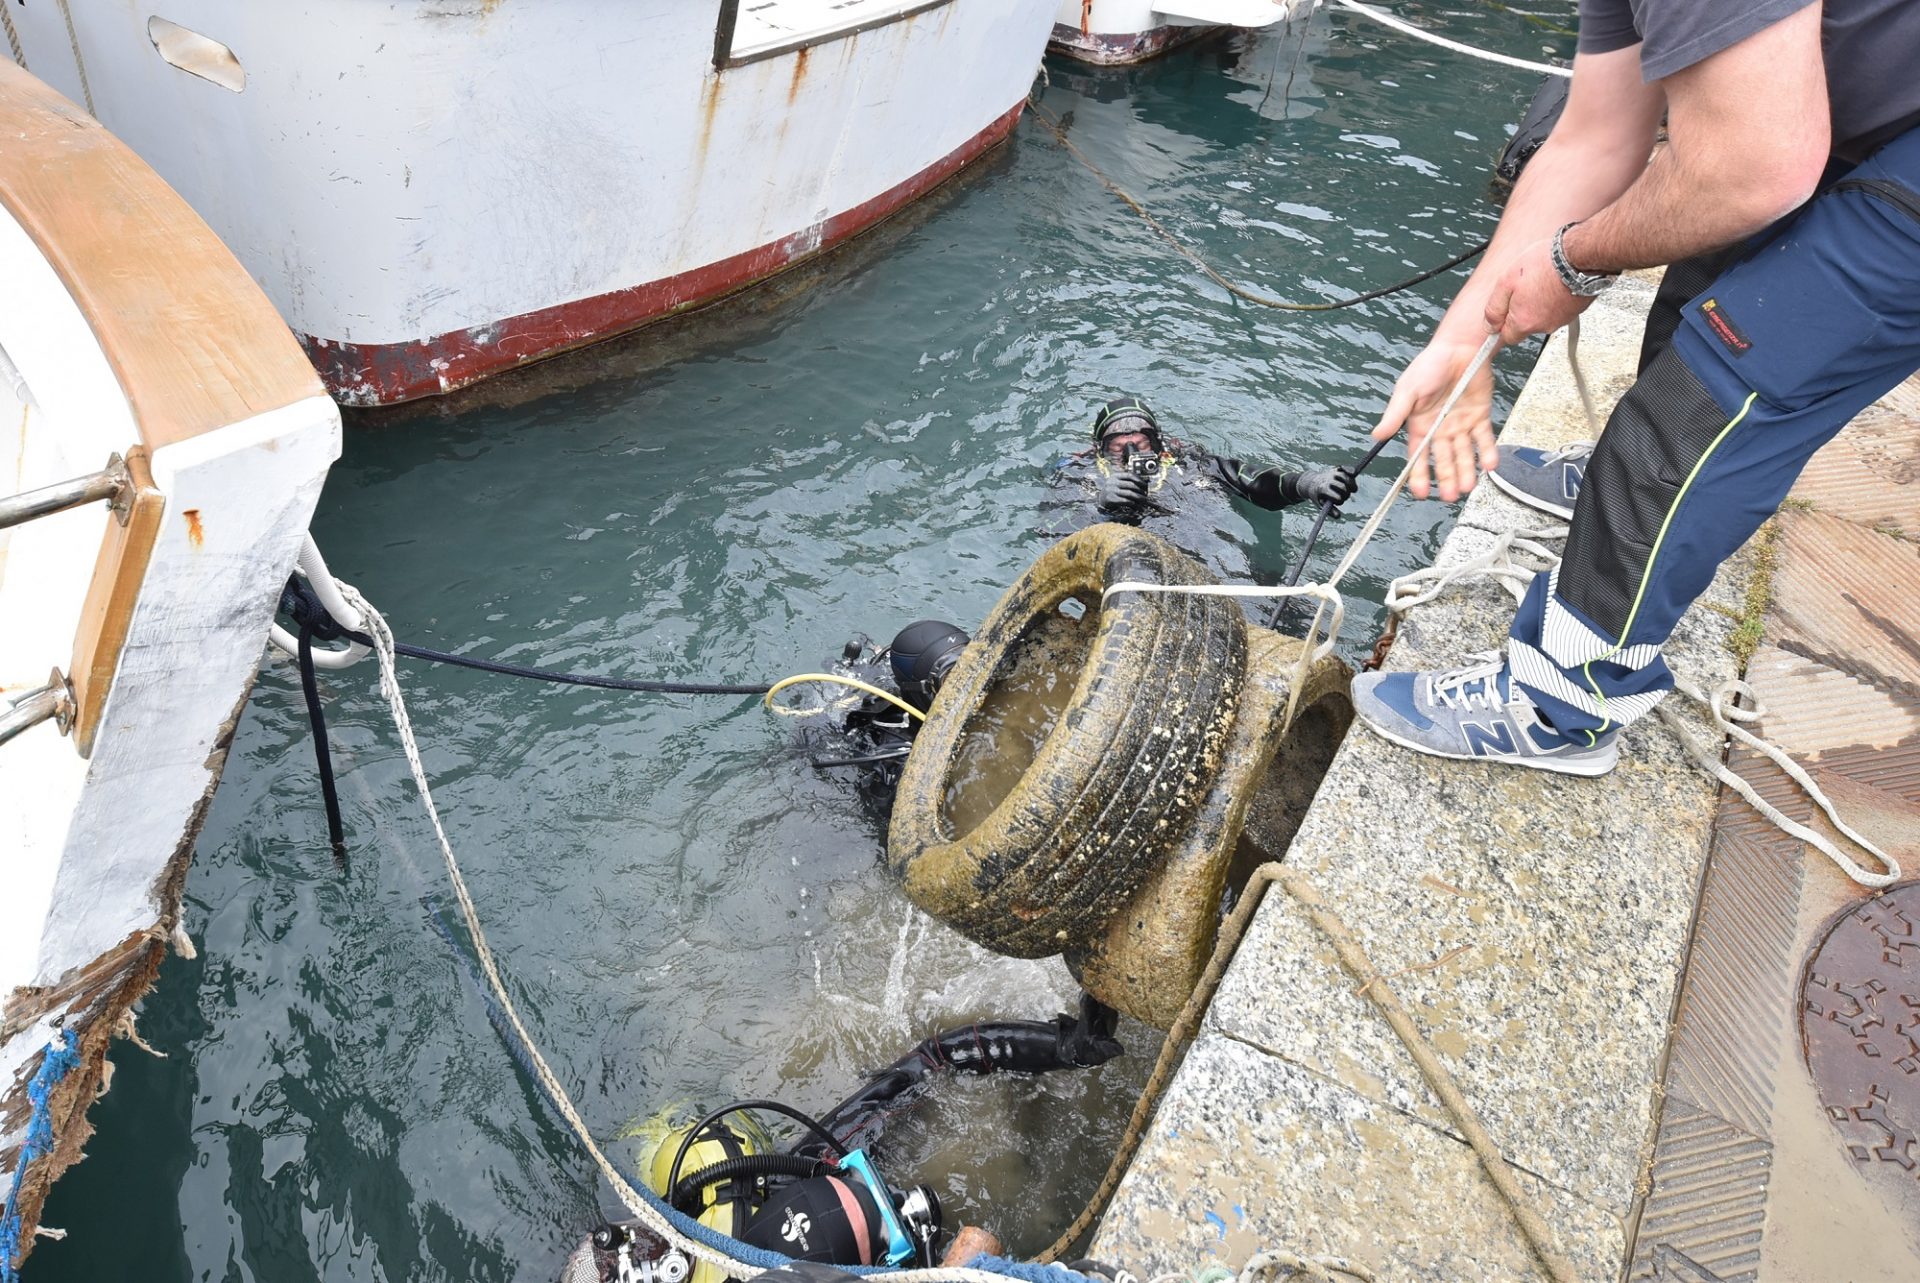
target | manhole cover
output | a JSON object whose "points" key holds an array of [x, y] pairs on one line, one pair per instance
{"points": [[1860, 1017]]}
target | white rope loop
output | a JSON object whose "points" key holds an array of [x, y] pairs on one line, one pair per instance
{"points": [[1332, 605], [1499, 563], [1728, 718]]}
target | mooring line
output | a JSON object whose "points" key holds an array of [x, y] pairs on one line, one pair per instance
{"points": [[1059, 131]]}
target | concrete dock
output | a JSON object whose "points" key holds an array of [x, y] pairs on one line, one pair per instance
{"points": [[1611, 969]]}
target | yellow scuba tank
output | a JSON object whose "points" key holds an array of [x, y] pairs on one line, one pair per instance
{"points": [[725, 1206]]}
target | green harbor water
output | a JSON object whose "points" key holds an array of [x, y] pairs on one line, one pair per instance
{"points": [[687, 912]]}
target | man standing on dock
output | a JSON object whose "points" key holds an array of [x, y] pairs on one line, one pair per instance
{"points": [[1787, 202]]}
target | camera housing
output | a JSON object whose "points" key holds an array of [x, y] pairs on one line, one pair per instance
{"points": [[1144, 464]]}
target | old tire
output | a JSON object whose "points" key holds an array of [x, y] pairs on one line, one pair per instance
{"points": [[1117, 777]]}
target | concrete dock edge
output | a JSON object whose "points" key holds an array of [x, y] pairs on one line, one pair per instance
{"points": [[1535, 925]]}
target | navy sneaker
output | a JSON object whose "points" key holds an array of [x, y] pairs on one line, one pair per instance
{"points": [[1545, 479], [1476, 713]]}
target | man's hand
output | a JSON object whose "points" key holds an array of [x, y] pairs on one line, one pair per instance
{"points": [[1416, 402], [1325, 485], [1121, 492], [1529, 297]]}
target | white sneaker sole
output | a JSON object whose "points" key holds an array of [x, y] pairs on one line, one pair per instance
{"points": [[1587, 768], [1532, 501]]}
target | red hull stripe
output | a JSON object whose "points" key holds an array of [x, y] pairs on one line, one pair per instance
{"points": [[388, 373]]}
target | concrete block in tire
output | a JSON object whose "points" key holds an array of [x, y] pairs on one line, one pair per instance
{"points": [[1116, 779]]}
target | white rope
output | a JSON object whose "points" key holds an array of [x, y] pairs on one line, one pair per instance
{"points": [[1422, 586], [79, 62], [328, 590], [1727, 716], [1332, 607], [13, 37], [1499, 563], [1329, 598], [1421, 33], [383, 648]]}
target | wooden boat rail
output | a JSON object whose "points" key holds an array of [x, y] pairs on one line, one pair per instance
{"points": [[193, 343]]}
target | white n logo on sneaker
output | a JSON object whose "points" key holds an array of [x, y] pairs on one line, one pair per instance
{"points": [[1490, 738]]}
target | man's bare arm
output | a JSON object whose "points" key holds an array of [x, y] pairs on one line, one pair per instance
{"points": [[1594, 154], [1748, 132]]}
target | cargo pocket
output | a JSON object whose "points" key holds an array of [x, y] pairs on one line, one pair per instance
{"points": [[1831, 306]]}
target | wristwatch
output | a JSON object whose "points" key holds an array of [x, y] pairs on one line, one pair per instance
{"points": [[1579, 284]]}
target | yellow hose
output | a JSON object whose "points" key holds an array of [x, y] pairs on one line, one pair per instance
{"points": [[834, 680]]}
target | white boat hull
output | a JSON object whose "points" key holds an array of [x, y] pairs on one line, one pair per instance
{"points": [[126, 329], [1118, 32], [432, 192]]}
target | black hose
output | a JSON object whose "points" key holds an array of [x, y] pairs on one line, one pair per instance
{"points": [[568, 679], [1000, 1046], [323, 757], [1313, 535], [869, 759], [304, 606], [741, 1106], [687, 1189]]}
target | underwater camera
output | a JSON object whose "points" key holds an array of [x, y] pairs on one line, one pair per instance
{"points": [[1144, 464]]}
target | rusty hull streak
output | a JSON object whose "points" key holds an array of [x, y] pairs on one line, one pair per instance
{"points": [[799, 75], [386, 373], [196, 533]]}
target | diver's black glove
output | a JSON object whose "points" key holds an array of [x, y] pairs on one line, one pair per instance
{"points": [[1325, 485], [1121, 492], [1088, 1040]]}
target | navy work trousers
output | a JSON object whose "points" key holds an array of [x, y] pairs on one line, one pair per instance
{"points": [[1785, 340]]}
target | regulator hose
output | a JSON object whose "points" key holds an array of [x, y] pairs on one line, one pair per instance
{"points": [[686, 1191], [820, 1133]]}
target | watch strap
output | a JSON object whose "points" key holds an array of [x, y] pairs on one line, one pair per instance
{"points": [[1579, 284]]}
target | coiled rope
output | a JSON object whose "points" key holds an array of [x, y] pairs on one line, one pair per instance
{"points": [[1722, 707]]}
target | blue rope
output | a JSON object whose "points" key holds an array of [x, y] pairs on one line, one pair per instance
{"points": [[60, 1057]]}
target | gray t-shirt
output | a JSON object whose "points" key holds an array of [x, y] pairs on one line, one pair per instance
{"points": [[1872, 52]]}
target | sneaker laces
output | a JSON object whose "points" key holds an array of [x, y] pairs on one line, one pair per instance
{"points": [[1578, 450], [1452, 688]]}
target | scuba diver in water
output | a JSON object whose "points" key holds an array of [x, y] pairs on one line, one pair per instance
{"points": [[822, 1198], [872, 735], [1137, 475]]}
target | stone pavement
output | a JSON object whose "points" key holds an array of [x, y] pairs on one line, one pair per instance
{"points": [[1538, 927]]}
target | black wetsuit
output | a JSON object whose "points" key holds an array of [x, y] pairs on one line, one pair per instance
{"points": [[1188, 504]]}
